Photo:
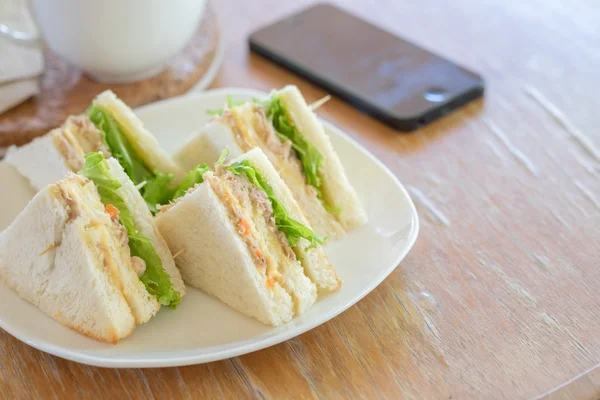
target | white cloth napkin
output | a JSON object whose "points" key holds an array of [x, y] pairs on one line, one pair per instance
{"points": [[20, 66]]}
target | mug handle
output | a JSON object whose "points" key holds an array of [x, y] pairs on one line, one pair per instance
{"points": [[21, 38]]}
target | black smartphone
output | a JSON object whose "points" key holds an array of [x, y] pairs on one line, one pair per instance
{"points": [[381, 74]]}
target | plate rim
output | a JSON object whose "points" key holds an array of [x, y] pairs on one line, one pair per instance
{"points": [[245, 346]]}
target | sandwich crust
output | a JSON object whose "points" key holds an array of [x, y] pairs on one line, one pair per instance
{"points": [[336, 188]]}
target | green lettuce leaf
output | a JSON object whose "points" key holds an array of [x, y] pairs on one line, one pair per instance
{"points": [[224, 154], [310, 158], [156, 189], [308, 154], [292, 229], [155, 278], [192, 178], [119, 146]]}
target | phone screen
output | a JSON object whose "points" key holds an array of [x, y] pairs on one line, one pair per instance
{"points": [[363, 63]]}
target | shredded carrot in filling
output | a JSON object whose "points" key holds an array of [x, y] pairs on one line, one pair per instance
{"points": [[244, 227], [270, 282], [112, 211], [258, 254]]}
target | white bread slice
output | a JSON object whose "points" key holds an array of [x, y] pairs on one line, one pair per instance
{"points": [[336, 187], [314, 261], [145, 223], [215, 259], [39, 161], [49, 158], [46, 259], [206, 145], [143, 142]]}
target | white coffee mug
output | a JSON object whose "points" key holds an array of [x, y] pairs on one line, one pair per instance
{"points": [[113, 41]]}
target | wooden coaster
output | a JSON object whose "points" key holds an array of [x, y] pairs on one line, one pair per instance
{"points": [[65, 90]]}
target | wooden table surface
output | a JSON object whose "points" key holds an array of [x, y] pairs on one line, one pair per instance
{"points": [[499, 297]]}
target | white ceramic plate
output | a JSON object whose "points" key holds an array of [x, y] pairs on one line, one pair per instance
{"points": [[203, 329]]}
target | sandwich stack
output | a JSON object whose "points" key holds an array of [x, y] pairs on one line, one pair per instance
{"points": [[295, 142], [86, 251], [250, 230]]}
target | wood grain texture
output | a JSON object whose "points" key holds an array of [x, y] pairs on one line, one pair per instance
{"points": [[65, 90], [584, 386], [499, 298]]}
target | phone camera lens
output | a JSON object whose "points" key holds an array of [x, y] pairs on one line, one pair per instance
{"points": [[435, 94]]}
